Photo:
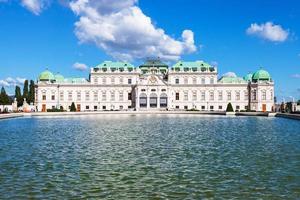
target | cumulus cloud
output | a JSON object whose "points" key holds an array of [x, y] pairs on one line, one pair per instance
{"points": [[123, 31], [296, 76], [10, 82], [268, 31], [229, 74], [80, 66], [35, 6]]}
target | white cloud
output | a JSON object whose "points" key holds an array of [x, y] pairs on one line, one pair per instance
{"points": [[80, 66], [229, 74], [35, 6], [11, 82], [268, 31], [123, 31], [296, 76]]}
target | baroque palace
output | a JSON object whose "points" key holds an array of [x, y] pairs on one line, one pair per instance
{"points": [[155, 86]]}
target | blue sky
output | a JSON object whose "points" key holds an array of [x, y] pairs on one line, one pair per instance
{"points": [[39, 34]]}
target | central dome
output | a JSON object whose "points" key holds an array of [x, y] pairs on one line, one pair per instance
{"points": [[46, 76], [261, 75]]}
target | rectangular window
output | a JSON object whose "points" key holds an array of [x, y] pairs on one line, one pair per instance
{"points": [[104, 80], [53, 97], [264, 95], [177, 80], [70, 96], [220, 95], [129, 81], [202, 107], [237, 95], [78, 96], [194, 80], [186, 80], [87, 96], [194, 95], [87, 107], [211, 95], [177, 107], [112, 80], [186, 96], [246, 95], [177, 96], [229, 96], [61, 96], [95, 108], [203, 81], [220, 107], [185, 107], [121, 80], [129, 96], [112, 95], [271, 95], [202, 95], [121, 96], [104, 107], [96, 80], [254, 95], [95, 96], [237, 107], [212, 81], [211, 108], [44, 97], [103, 95]]}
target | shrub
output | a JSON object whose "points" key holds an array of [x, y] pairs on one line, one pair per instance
{"points": [[73, 108], [229, 108], [55, 110]]}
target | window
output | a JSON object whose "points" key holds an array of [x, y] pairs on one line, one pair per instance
{"points": [[95, 96], [237, 107], [129, 81], [121, 96], [87, 95], [177, 96], [271, 95], [254, 95], [153, 90], [121, 107], [104, 107], [87, 107], [78, 96], [228, 95], [237, 95], [202, 80], [202, 107], [202, 95], [163, 90], [112, 80], [177, 80], [96, 80], [112, 96], [246, 95], [220, 95], [185, 107], [104, 80], [186, 80], [212, 81], [186, 95], [70, 96], [103, 95], [53, 107], [61, 96], [95, 108], [53, 97], [177, 107], [194, 95], [220, 107], [194, 80], [121, 80], [264, 95], [211, 108], [211, 95], [129, 96], [44, 97]]}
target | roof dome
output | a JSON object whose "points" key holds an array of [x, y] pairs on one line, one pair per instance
{"points": [[46, 76], [248, 77], [229, 74], [261, 75], [59, 78]]}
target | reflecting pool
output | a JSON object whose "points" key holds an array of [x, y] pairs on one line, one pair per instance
{"points": [[149, 157]]}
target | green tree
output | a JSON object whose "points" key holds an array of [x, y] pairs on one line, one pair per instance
{"points": [[31, 93], [73, 108], [18, 95], [4, 98], [25, 90], [229, 108]]}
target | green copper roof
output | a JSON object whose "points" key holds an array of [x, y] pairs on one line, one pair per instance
{"points": [[227, 79], [153, 63], [75, 80], [59, 78], [46, 76], [115, 65], [248, 77], [261, 75], [198, 65]]}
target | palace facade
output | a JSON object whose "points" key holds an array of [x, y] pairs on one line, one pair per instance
{"points": [[155, 86]]}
